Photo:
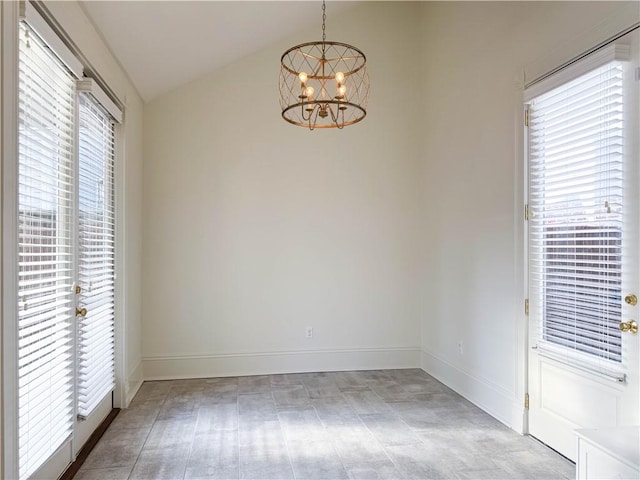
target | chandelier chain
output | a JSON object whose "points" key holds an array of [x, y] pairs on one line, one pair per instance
{"points": [[324, 18]]}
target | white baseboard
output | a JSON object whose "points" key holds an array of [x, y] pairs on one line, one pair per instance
{"points": [[493, 399], [134, 382], [264, 363]]}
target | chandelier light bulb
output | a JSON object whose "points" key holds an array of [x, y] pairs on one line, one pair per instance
{"points": [[342, 89], [309, 92], [303, 78], [339, 77]]}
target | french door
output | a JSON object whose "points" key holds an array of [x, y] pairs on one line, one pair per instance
{"points": [[95, 253], [66, 260], [583, 246]]}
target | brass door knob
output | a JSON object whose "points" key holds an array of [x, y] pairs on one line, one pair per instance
{"points": [[82, 312], [629, 326], [631, 299]]}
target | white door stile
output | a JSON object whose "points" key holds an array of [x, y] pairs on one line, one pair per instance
{"points": [[631, 233], [75, 448]]}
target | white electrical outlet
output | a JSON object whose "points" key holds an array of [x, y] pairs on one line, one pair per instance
{"points": [[309, 332], [461, 347]]}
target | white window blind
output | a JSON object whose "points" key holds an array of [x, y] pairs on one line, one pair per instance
{"points": [[45, 203], [576, 223], [96, 255]]}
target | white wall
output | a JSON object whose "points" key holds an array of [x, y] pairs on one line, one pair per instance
{"points": [[476, 57], [255, 229]]}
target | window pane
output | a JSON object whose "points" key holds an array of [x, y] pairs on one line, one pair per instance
{"points": [[576, 172]]}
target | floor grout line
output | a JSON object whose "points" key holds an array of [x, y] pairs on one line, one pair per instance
{"points": [[193, 439], [155, 419], [238, 429]]}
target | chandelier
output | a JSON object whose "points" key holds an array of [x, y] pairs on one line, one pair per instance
{"points": [[323, 84]]}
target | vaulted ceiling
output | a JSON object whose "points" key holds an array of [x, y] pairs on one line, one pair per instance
{"points": [[165, 44]]}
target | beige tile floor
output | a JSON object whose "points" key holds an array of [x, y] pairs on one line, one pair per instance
{"points": [[384, 424]]}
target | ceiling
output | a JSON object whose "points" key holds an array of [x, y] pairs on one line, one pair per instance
{"points": [[165, 44]]}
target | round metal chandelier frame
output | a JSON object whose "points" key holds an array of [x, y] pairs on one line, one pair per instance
{"points": [[323, 84]]}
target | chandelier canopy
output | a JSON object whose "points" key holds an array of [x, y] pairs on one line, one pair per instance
{"points": [[323, 84]]}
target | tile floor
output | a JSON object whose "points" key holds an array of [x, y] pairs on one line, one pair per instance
{"points": [[384, 424]]}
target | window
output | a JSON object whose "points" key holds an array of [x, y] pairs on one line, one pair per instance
{"points": [[576, 160]]}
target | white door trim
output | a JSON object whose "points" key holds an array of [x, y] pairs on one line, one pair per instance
{"points": [[9, 283], [120, 393]]}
